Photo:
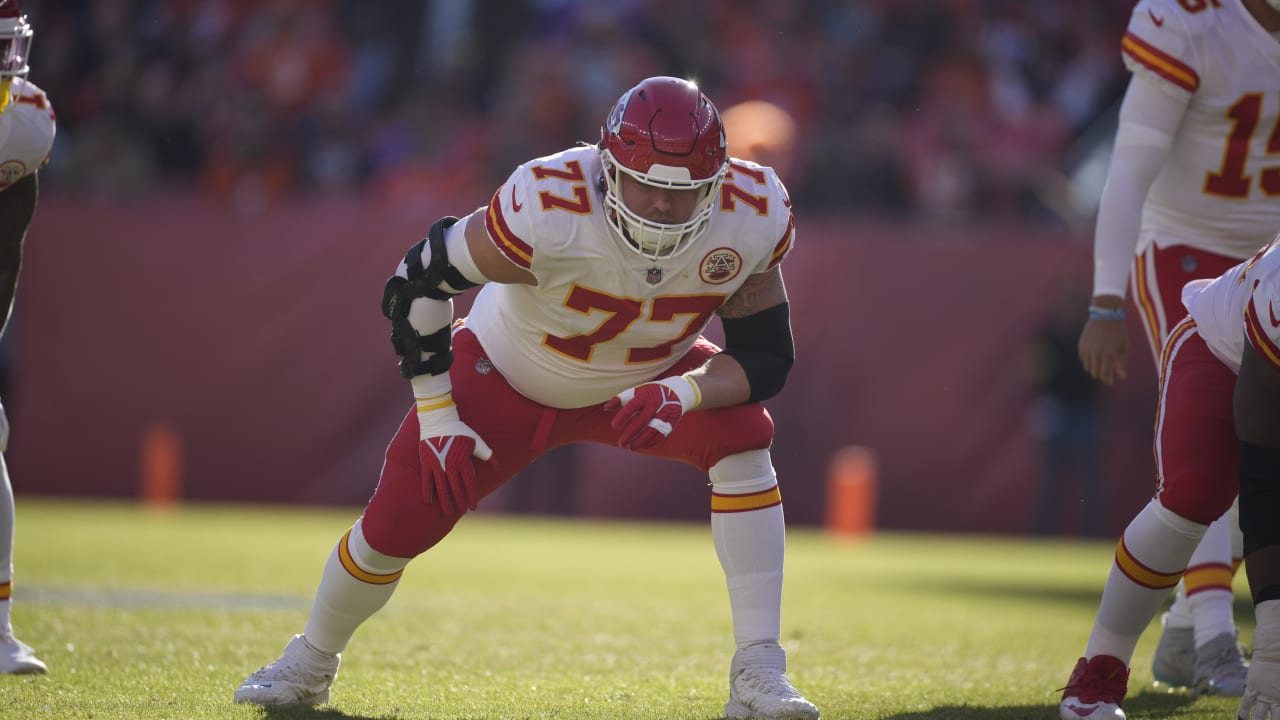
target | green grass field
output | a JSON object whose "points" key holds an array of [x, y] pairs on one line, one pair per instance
{"points": [[160, 614]]}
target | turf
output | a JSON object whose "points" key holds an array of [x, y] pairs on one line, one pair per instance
{"points": [[144, 613]]}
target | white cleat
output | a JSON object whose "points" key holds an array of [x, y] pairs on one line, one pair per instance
{"points": [[301, 676], [758, 686], [1220, 668], [1174, 661], [1261, 699], [16, 658]]}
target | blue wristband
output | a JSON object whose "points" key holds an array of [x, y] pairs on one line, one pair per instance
{"points": [[1097, 312]]}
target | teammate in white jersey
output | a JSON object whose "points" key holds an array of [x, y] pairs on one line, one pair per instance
{"points": [[26, 137], [601, 266], [1194, 187], [1217, 432]]}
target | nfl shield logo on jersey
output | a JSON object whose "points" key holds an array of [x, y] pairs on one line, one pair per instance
{"points": [[653, 276]]}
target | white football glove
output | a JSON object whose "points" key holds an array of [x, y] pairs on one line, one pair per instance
{"points": [[446, 446]]}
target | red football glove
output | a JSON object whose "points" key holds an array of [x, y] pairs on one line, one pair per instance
{"points": [[648, 413], [446, 446]]}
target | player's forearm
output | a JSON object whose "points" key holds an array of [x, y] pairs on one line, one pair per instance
{"points": [[721, 383], [1149, 119]]}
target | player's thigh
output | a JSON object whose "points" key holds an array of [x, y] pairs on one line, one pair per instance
{"points": [[1195, 443], [399, 520]]}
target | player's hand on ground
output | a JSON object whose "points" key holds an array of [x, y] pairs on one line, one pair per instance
{"points": [[1104, 349], [446, 447], [646, 414]]}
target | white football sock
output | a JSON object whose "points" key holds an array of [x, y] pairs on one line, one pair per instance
{"points": [[749, 533], [6, 543], [357, 582], [1208, 583], [1149, 560]]}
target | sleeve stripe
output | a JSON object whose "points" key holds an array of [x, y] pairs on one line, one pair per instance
{"points": [[1258, 335], [1160, 62], [780, 250], [516, 250]]}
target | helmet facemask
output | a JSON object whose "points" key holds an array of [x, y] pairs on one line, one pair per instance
{"points": [[15, 48], [663, 133], [650, 238]]}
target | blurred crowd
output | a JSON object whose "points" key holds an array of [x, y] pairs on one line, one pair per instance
{"points": [[941, 109]]}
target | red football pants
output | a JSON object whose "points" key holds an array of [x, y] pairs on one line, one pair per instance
{"points": [[398, 522], [1157, 277], [1196, 449]]}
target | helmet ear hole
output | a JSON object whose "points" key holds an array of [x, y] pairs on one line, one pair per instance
{"points": [[664, 133]]}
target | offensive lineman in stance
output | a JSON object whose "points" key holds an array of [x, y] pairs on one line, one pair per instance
{"points": [[26, 137], [601, 265], [1193, 189]]}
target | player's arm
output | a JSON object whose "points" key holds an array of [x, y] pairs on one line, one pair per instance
{"points": [[489, 263], [1149, 119], [757, 357], [418, 300], [17, 207], [758, 347]]}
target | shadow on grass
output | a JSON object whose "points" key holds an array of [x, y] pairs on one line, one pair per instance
{"points": [[1153, 704], [308, 713]]}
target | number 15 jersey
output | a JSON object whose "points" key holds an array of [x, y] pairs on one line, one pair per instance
{"points": [[602, 317], [1219, 189]]}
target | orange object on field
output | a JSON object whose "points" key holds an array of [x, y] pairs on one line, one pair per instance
{"points": [[852, 479], [161, 464]]}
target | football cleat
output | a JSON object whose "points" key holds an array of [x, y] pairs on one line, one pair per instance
{"points": [[1096, 690], [1261, 699], [16, 658], [301, 676], [1220, 669], [1174, 662], [759, 688]]}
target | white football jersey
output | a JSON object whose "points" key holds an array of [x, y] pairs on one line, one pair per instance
{"points": [[27, 128], [1219, 189], [602, 317], [1244, 301]]}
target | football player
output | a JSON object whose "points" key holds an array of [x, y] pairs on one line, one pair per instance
{"points": [[26, 138], [601, 267], [1217, 432], [1193, 188]]}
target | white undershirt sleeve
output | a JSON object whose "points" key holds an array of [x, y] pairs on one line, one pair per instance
{"points": [[1149, 119], [455, 243]]}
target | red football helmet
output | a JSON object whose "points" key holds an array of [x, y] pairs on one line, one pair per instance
{"points": [[663, 132], [15, 46]]}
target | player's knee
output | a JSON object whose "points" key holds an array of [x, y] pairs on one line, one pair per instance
{"points": [[1206, 504], [734, 430], [1259, 473], [742, 473], [406, 535], [369, 558]]}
